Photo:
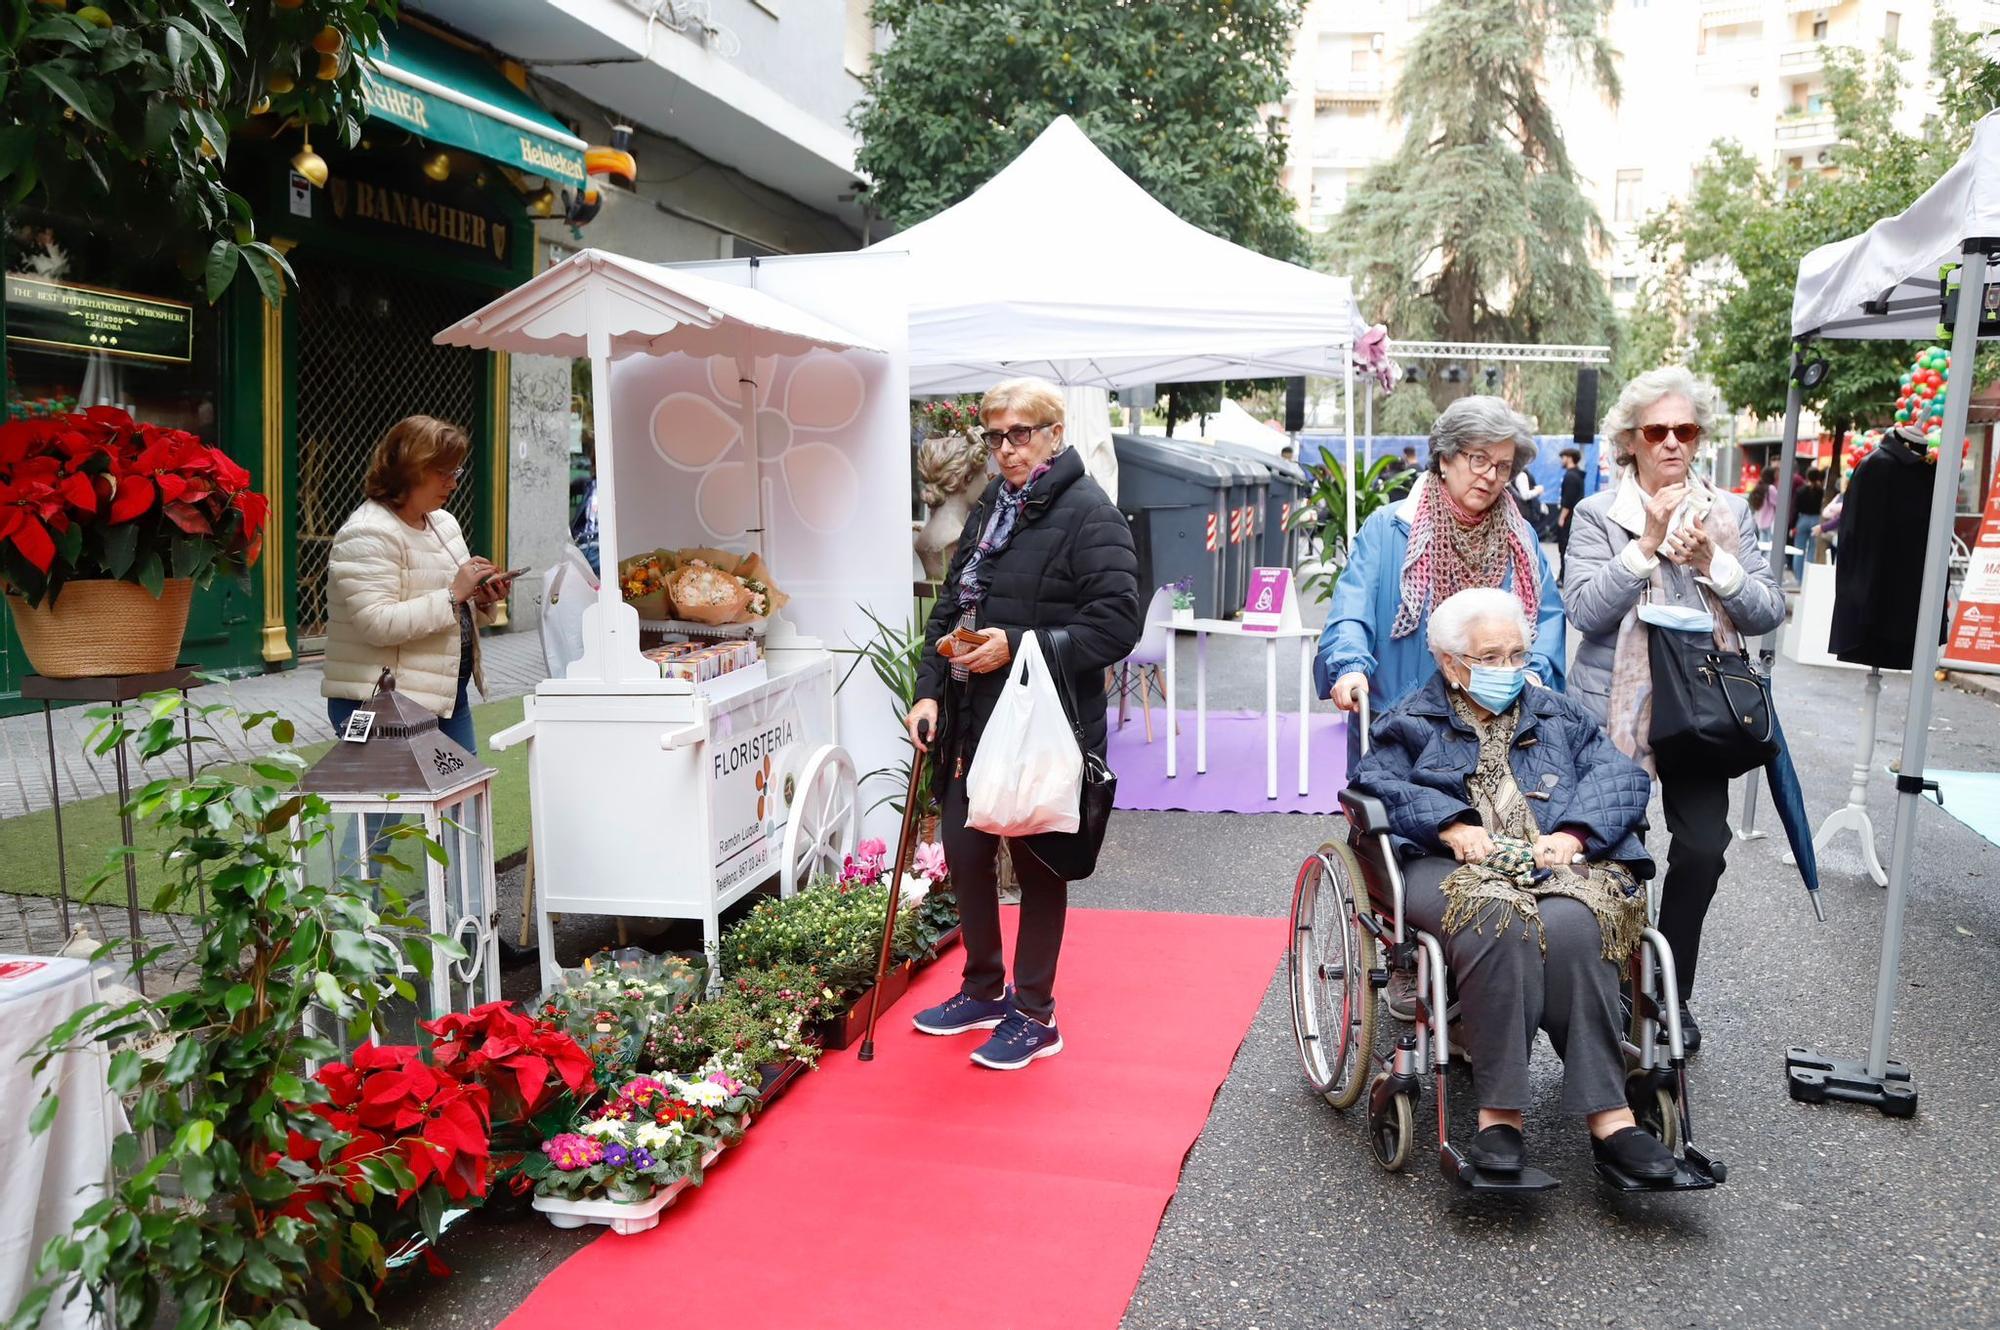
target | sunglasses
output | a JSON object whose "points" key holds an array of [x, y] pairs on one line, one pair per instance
{"points": [[1686, 433], [996, 439]]}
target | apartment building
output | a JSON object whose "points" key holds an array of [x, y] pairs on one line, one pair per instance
{"points": [[1692, 71]]}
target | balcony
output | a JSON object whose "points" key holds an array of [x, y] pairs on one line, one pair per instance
{"points": [[1349, 90], [1801, 59], [1811, 6], [1737, 65], [1800, 130], [1729, 15]]}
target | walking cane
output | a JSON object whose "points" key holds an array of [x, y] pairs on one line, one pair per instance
{"points": [[903, 849]]}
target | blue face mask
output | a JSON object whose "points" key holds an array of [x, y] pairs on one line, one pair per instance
{"points": [[1495, 686]]}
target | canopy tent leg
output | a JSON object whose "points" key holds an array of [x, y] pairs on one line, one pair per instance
{"points": [[1766, 652], [1347, 405], [1885, 1084]]}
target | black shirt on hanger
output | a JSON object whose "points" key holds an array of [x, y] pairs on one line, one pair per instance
{"points": [[1879, 578]]}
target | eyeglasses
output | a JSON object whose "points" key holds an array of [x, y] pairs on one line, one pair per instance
{"points": [[996, 439], [1484, 464], [1494, 661], [1684, 432]]}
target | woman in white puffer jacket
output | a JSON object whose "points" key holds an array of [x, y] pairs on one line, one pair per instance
{"points": [[403, 592]]}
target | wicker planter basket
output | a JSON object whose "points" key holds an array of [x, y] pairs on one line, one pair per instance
{"points": [[98, 627]]}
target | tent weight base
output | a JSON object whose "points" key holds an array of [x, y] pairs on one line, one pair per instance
{"points": [[1814, 1078]]}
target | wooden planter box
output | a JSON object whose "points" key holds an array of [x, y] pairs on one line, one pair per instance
{"points": [[841, 1031]]}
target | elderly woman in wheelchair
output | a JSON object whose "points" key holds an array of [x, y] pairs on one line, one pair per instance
{"points": [[1495, 841]]}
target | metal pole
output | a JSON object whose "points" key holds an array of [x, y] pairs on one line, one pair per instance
{"points": [[1347, 406], [610, 600], [55, 806], [1930, 608], [1766, 649]]}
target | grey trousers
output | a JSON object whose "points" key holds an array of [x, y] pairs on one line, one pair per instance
{"points": [[1507, 989]]}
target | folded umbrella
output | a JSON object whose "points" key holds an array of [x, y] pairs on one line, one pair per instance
{"points": [[1790, 800]]}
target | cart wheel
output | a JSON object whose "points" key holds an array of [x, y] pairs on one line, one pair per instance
{"points": [[824, 818], [1333, 1011], [1655, 1109], [1391, 1132]]}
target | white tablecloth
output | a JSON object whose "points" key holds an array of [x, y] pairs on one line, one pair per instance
{"points": [[54, 1177]]}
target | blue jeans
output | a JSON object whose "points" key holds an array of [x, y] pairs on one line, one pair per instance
{"points": [[457, 726]]}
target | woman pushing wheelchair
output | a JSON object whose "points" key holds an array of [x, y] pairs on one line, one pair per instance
{"points": [[1517, 829]]}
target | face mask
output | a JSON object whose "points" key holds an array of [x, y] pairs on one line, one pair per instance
{"points": [[1679, 617], [1495, 686]]}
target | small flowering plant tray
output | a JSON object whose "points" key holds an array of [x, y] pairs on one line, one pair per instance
{"points": [[650, 1142], [622, 1217]]}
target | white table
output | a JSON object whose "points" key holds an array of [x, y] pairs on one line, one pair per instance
{"points": [[1203, 629], [54, 1177]]}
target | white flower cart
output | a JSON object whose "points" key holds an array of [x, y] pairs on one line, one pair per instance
{"points": [[729, 413]]}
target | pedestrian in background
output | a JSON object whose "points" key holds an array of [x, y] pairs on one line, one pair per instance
{"points": [[1571, 496], [403, 592], [1665, 548]]}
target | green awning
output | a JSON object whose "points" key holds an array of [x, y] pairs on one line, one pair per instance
{"points": [[452, 97]]}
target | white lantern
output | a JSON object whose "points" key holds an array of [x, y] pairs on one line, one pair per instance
{"points": [[392, 765]]}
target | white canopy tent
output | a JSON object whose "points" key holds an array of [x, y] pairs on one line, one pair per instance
{"points": [[1885, 284], [1063, 267]]}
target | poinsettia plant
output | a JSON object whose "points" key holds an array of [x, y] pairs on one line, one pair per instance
{"points": [[95, 494]]}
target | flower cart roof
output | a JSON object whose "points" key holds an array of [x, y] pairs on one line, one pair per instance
{"points": [[642, 307], [1883, 283], [1062, 266]]}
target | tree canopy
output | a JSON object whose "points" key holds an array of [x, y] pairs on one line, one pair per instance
{"points": [[1171, 93], [1478, 229], [124, 116], [1732, 248]]}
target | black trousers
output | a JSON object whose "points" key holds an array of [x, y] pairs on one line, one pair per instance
{"points": [[1562, 546], [1697, 809], [973, 857]]}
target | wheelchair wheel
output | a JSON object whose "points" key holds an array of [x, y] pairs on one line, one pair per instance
{"points": [[1333, 1011], [1392, 1131], [1654, 1108]]}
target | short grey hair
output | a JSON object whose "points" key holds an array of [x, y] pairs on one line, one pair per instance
{"points": [[1471, 421], [1621, 423], [1451, 623]]}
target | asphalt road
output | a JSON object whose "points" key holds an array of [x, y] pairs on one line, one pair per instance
{"points": [[1833, 1215]]}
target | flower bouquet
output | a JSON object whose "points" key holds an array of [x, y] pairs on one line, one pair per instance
{"points": [[614, 999], [713, 587], [642, 581], [130, 517], [640, 1151]]}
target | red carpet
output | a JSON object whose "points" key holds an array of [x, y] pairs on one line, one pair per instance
{"points": [[920, 1190]]}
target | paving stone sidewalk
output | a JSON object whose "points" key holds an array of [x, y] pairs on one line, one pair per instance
{"points": [[513, 665]]}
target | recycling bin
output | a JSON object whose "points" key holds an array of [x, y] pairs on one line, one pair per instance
{"points": [[1178, 502], [1277, 543], [1241, 518]]}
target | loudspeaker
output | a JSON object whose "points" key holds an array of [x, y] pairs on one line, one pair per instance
{"points": [[1295, 405], [1586, 405]]}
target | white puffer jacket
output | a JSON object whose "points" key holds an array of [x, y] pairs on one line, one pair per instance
{"points": [[389, 607]]}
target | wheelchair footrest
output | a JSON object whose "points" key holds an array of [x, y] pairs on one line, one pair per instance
{"points": [[1474, 1178], [1693, 1173], [1813, 1078]]}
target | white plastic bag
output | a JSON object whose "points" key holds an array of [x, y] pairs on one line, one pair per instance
{"points": [[1027, 773]]}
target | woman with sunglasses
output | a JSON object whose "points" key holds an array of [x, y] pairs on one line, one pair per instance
{"points": [[1455, 530], [403, 592], [1044, 548], [1663, 547]]}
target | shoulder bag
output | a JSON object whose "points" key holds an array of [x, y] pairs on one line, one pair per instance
{"points": [[1712, 707], [1072, 855]]}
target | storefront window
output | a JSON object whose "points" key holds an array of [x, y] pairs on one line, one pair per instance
{"points": [[88, 323]]}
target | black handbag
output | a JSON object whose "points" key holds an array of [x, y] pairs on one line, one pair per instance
{"points": [[1712, 708], [1072, 855]]}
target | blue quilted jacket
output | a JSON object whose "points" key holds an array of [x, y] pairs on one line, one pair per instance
{"points": [[1420, 754]]}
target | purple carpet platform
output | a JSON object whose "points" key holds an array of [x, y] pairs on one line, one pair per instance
{"points": [[1235, 779]]}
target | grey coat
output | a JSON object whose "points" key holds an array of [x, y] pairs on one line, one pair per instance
{"points": [[1599, 590]]}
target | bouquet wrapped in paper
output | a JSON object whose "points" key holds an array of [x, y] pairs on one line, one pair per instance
{"points": [[642, 581], [716, 587]]}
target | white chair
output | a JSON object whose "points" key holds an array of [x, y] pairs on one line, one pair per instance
{"points": [[1147, 662]]}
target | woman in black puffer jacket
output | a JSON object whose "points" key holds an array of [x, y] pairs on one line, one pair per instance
{"points": [[1045, 548]]}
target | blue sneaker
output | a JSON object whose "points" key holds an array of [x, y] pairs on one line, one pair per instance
{"points": [[1019, 1040], [960, 1014]]}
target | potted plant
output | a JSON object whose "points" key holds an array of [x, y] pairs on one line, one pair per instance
{"points": [[106, 527], [1183, 593], [639, 1152]]}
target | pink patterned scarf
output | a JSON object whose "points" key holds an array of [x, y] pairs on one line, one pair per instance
{"points": [[1452, 549]]}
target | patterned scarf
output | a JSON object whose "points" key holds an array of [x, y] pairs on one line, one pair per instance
{"points": [[975, 578], [1452, 549], [1503, 889], [1629, 714]]}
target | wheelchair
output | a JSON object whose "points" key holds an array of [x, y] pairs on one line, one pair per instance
{"points": [[1352, 961]]}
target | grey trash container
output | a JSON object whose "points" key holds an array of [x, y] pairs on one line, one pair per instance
{"points": [[1277, 543], [1178, 503], [1241, 519]]}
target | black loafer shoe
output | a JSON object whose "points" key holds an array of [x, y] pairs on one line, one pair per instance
{"points": [[1499, 1149], [1635, 1152], [1690, 1032]]}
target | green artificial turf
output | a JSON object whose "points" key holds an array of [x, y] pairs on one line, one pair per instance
{"points": [[90, 827]]}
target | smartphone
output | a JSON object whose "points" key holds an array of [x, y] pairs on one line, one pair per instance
{"points": [[507, 576]]}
